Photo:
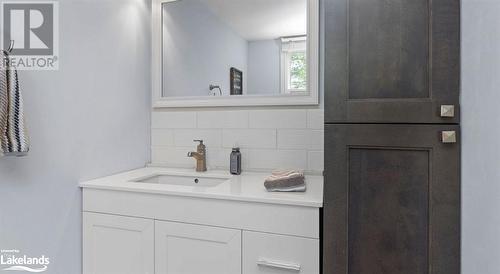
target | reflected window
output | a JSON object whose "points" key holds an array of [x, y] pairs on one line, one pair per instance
{"points": [[294, 65]]}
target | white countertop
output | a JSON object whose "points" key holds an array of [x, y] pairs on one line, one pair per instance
{"points": [[247, 187]]}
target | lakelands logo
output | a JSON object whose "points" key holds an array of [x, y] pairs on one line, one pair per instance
{"points": [[31, 30], [14, 260]]}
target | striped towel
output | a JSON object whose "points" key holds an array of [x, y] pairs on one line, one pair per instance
{"points": [[13, 138]]}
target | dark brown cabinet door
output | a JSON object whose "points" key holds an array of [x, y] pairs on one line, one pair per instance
{"points": [[392, 200], [394, 61]]}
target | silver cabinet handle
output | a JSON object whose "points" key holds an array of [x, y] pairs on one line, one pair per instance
{"points": [[280, 265], [449, 137], [447, 111]]}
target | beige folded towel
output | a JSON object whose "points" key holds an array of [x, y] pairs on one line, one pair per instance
{"points": [[286, 181], [281, 173]]}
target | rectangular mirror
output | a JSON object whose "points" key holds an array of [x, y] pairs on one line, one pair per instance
{"points": [[235, 52]]}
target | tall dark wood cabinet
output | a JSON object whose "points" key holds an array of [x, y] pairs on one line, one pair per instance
{"points": [[391, 61], [391, 200], [392, 137]]}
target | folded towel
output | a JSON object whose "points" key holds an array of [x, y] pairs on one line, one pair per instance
{"points": [[286, 181], [299, 188], [287, 172], [13, 138]]}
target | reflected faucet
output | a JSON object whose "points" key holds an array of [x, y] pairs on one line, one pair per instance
{"points": [[200, 155], [212, 87]]}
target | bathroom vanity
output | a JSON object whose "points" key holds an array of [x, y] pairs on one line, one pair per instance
{"points": [[177, 221], [166, 221]]}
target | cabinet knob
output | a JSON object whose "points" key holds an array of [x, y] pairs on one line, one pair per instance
{"points": [[449, 137], [447, 111]]}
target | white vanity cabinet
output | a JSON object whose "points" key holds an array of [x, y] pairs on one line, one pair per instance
{"points": [[234, 228], [185, 248], [126, 245], [116, 244]]}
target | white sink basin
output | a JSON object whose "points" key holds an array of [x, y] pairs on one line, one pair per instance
{"points": [[183, 180]]}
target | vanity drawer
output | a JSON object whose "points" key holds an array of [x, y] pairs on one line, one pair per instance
{"points": [[265, 253]]}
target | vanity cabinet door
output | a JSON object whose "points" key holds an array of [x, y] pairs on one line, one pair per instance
{"points": [[195, 249], [392, 61], [392, 200], [117, 245]]}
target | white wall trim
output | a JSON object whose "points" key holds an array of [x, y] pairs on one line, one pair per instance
{"points": [[256, 100]]}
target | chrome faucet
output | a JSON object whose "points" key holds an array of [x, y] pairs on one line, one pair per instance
{"points": [[200, 155]]}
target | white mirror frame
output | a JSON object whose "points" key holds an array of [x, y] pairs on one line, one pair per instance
{"points": [[248, 100]]}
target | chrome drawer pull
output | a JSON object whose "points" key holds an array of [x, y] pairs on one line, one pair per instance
{"points": [[280, 265]]}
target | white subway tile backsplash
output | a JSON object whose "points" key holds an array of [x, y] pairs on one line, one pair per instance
{"points": [[315, 160], [294, 138], [162, 137], [300, 139], [161, 119], [211, 137], [223, 119], [218, 158], [315, 119], [270, 139], [275, 159], [171, 156], [278, 119], [249, 138], [177, 157], [317, 139]]}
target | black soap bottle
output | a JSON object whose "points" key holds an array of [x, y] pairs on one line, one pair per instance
{"points": [[235, 161]]}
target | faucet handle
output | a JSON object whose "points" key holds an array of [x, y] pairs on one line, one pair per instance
{"points": [[201, 141]]}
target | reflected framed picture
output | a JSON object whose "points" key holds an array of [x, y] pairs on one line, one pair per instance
{"points": [[236, 81]]}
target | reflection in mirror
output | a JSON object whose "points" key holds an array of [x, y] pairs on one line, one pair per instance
{"points": [[234, 47]]}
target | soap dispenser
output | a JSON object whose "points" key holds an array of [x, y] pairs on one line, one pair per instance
{"points": [[235, 161]]}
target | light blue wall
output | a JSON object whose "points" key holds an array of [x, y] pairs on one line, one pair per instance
{"points": [[198, 50], [481, 136], [264, 67], [89, 119]]}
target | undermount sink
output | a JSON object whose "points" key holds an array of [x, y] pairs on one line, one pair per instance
{"points": [[183, 180]]}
